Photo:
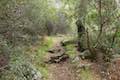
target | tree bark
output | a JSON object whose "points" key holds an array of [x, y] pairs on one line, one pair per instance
{"points": [[80, 32]]}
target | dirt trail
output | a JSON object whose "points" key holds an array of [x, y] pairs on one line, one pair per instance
{"points": [[62, 70]]}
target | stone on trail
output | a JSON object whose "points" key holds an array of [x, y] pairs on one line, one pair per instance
{"points": [[56, 55]]}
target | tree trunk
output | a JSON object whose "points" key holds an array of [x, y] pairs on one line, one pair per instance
{"points": [[80, 32]]}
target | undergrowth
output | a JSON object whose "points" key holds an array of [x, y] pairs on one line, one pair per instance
{"points": [[39, 54], [85, 74], [88, 74], [70, 50]]}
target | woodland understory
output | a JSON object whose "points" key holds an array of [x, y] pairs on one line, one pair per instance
{"points": [[59, 39]]}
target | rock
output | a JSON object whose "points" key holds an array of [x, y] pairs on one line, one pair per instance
{"points": [[57, 58], [60, 58], [56, 55], [76, 59], [68, 42], [37, 76], [85, 55], [84, 66], [51, 51], [116, 56]]}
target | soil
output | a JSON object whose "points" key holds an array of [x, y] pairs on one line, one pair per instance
{"points": [[64, 69], [61, 71]]}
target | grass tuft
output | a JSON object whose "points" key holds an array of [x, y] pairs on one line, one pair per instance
{"points": [[70, 50]]}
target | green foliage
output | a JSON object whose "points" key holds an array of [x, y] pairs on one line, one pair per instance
{"points": [[39, 56], [45, 45], [19, 68], [23, 21], [86, 74], [71, 50]]}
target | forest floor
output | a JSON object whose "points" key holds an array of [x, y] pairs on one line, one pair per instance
{"points": [[61, 70], [74, 68], [66, 70]]}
